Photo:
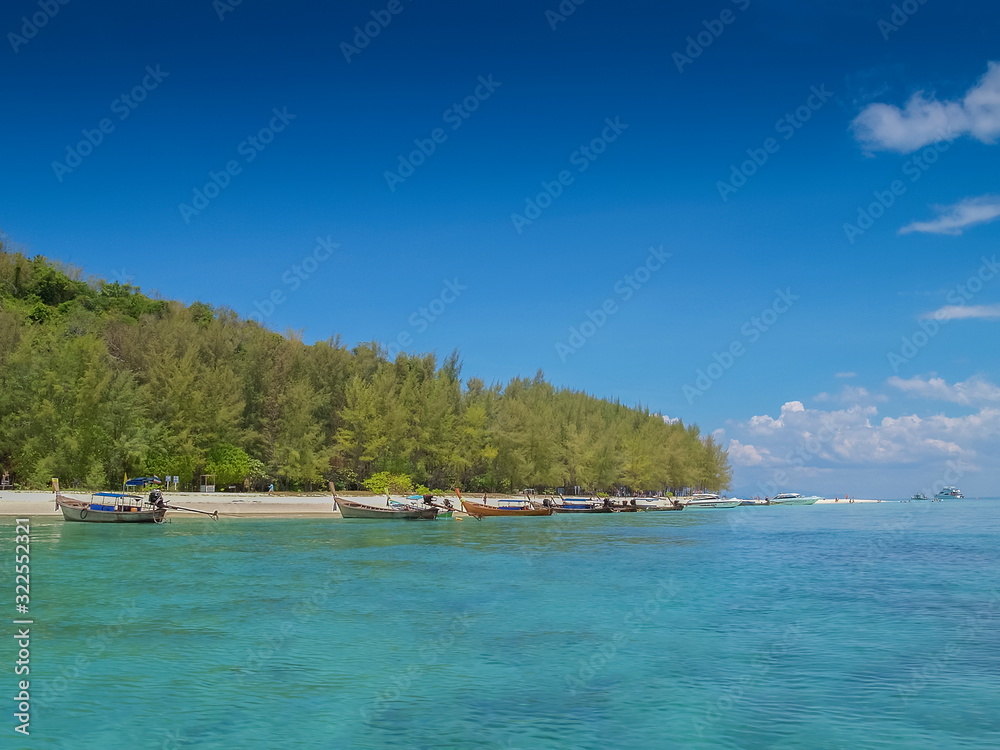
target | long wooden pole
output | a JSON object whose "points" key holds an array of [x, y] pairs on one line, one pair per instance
{"points": [[459, 493], [214, 514]]}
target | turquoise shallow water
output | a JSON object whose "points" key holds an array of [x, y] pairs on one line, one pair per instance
{"points": [[867, 626]]}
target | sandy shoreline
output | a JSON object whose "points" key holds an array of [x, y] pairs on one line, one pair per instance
{"points": [[230, 505]]}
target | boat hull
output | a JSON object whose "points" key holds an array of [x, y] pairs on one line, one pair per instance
{"points": [[796, 501], [708, 504], [656, 503], [479, 510], [350, 509], [564, 509], [79, 510]]}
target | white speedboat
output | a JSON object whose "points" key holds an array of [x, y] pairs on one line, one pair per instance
{"points": [[706, 500], [793, 498], [949, 493]]}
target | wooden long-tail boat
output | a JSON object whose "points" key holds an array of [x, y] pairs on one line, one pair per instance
{"points": [[581, 509], [111, 507], [121, 507], [657, 504], [445, 509], [481, 509], [583, 505], [354, 509]]}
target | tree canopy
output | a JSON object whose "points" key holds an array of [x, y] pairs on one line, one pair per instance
{"points": [[98, 380]]}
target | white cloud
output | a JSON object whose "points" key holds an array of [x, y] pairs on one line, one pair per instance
{"points": [[953, 435], [764, 424], [954, 219], [974, 391], [815, 450], [850, 394], [965, 312], [747, 455], [925, 120]]}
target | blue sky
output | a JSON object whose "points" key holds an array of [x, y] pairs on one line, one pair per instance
{"points": [[772, 219]]}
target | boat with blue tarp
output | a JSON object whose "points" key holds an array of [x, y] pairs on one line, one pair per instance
{"points": [[114, 507], [121, 507]]}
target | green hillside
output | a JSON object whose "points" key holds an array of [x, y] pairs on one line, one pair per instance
{"points": [[98, 380]]}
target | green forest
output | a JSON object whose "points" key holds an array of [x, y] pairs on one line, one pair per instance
{"points": [[98, 380]]}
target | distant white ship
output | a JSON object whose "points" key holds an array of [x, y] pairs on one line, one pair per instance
{"points": [[949, 493]]}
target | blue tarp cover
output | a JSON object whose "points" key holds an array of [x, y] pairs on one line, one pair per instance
{"points": [[142, 480]]}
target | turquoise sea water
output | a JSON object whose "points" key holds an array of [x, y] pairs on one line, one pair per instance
{"points": [[866, 626]]}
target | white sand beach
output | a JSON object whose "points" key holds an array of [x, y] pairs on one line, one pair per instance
{"points": [[230, 504], [846, 500], [242, 505]]}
